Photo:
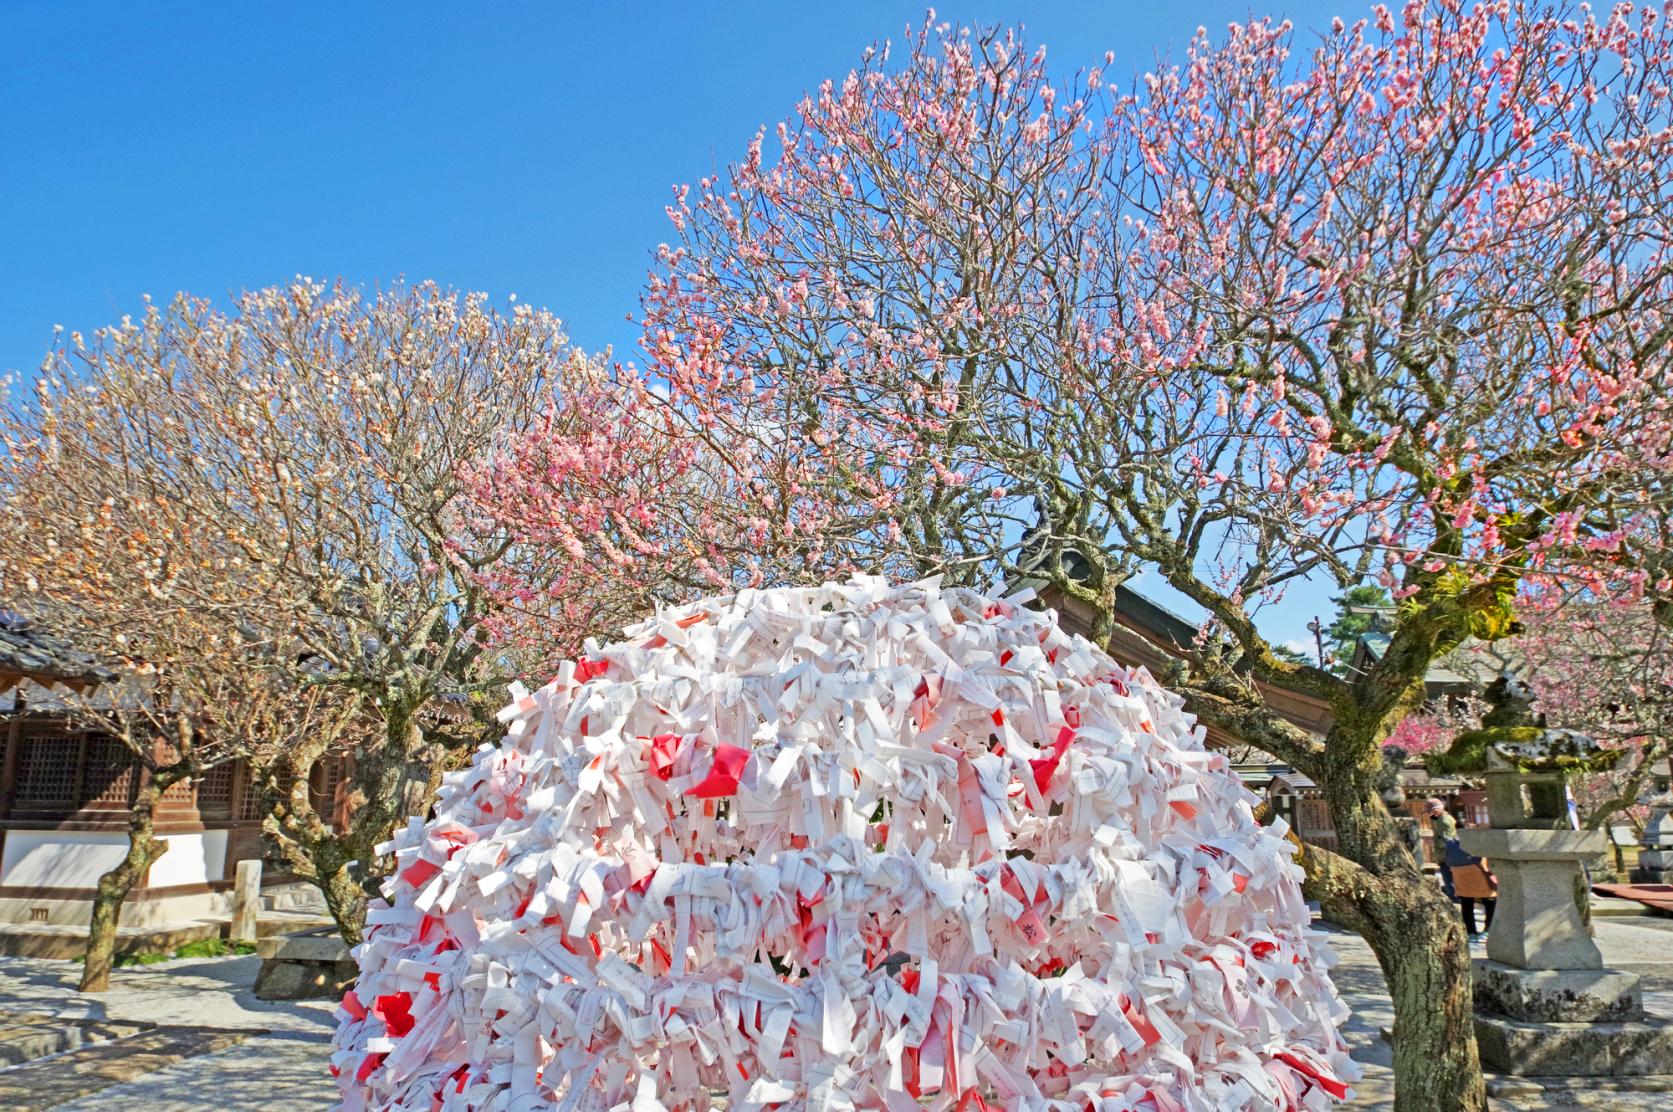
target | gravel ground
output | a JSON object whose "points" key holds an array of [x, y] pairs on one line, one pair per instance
{"points": [[282, 1070], [1644, 943]]}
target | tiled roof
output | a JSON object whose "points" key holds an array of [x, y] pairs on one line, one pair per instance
{"points": [[27, 651], [1473, 663]]}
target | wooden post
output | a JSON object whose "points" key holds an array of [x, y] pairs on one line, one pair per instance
{"points": [[246, 900]]}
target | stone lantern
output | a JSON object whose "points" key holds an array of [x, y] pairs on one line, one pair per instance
{"points": [[1545, 1004], [1655, 858]]}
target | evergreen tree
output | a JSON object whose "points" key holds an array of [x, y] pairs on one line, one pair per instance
{"points": [[1352, 621]]}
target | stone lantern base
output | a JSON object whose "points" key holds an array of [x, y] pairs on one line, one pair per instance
{"points": [[1575, 1049], [1655, 866], [1545, 1005], [1567, 1023], [1655, 859]]}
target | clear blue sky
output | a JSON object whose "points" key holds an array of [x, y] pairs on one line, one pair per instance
{"points": [[512, 148]]}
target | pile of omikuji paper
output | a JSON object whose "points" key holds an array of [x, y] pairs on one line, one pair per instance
{"points": [[855, 846]]}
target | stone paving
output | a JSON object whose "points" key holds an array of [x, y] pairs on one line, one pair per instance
{"points": [[1642, 945], [278, 1062]]}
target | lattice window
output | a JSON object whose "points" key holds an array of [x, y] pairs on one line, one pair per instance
{"points": [[108, 773], [178, 792], [47, 760], [215, 792], [249, 801]]}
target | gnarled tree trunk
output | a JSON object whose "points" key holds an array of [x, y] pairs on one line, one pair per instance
{"points": [[143, 849], [1376, 889], [394, 775], [397, 779], [311, 849]]}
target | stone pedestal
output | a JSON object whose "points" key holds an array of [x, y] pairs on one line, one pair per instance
{"points": [[1629, 1049], [1538, 924], [317, 965], [1556, 995]]}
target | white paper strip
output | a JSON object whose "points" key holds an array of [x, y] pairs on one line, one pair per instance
{"points": [[843, 847]]}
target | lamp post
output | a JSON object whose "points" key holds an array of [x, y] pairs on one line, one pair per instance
{"points": [[1318, 638]]}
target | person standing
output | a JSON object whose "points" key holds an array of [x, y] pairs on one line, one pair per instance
{"points": [[1472, 881], [1444, 829]]}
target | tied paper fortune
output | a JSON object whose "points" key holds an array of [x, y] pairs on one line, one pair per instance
{"points": [[854, 846]]}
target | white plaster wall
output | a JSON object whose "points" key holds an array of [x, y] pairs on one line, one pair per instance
{"points": [[215, 854], [191, 859], [61, 858], [172, 911]]}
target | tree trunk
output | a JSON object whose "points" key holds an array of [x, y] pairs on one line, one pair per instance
{"points": [[393, 781], [346, 901], [114, 886], [1375, 889], [393, 778], [307, 844]]}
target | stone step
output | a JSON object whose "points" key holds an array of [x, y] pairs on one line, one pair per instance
{"points": [[1567, 1092], [314, 965], [64, 942], [272, 923], [293, 897], [1613, 907], [1628, 1049], [23, 1037], [44, 1083]]}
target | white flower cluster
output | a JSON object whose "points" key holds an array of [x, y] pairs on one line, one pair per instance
{"points": [[855, 846]]}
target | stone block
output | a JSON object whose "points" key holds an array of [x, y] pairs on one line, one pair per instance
{"points": [[1574, 1049], [1556, 995], [246, 901], [1642, 875], [1535, 845], [304, 967], [304, 947], [1643, 1048], [1538, 924], [1536, 1049], [1655, 859], [304, 980]]}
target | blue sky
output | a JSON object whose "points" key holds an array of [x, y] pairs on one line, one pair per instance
{"points": [[514, 148]]}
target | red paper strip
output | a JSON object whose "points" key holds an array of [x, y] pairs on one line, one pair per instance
{"points": [[1300, 1059], [1140, 1024], [1045, 766], [722, 780], [395, 1010], [662, 750], [418, 874]]}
